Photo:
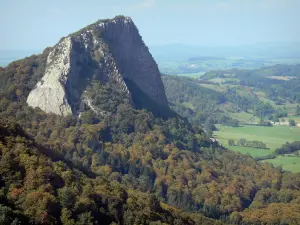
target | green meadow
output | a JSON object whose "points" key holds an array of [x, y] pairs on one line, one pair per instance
{"points": [[288, 163], [273, 137], [191, 75], [254, 152]]}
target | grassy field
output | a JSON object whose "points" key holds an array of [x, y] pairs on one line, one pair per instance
{"points": [[296, 118], [273, 137], [291, 108], [219, 88], [243, 116], [289, 163], [188, 105], [191, 75], [280, 77], [254, 152], [266, 100]]}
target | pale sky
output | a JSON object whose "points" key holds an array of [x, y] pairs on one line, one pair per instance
{"points": [[36, 24]]}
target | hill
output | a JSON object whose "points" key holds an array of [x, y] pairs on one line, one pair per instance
{"points": [[246, 102], [37, 188], [269, 93], [109, 52], [127, 165], [174, 59]]}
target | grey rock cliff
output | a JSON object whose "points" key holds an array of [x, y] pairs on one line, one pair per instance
{"points": [[111, 51]]}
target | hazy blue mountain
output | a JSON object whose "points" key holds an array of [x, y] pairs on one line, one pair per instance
{"points": [[261, 50], [8, 56]]}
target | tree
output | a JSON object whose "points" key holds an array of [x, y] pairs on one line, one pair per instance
{"points": [[66, 217], [242, 142], [67, 197], [154, 203], [7, 216], [87, 117], [292, 123], [85, 219], [298, 110], [209, 133], [231, 143]]}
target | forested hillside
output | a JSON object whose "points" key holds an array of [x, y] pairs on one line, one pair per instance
{"points": [[280, 82], [73, 170], [269, 93], [206, 106], [38, 188], [259, 106]]}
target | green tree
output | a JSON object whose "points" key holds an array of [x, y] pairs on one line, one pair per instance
{"points": [[242, 142], [292, 123], [231, 143], [85, 219], [67, 197], [298, 110], [66, 217], [7, 216], [154, 204]]}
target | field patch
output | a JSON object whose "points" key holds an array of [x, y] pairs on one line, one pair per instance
{"points": [[280, 77], [191, 75], [219, 88], [254, 152], [273, 137], [243, 117], [288, 163], [296, 118]]}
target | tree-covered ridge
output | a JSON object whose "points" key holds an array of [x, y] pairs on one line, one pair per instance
{"points": [[205, 106], [280, 82], [126, 152], [201, 102], [20, 77], [37, 190]]}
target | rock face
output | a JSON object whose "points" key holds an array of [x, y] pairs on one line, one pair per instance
{"points": [[110, 51]]}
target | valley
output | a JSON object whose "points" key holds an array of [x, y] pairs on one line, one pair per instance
{"points": [[249, 104], [92, 132], [192, 61], [273, 137], [196, 66]]}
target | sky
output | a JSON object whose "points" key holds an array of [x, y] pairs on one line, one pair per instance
{"points": [[36, 24]]}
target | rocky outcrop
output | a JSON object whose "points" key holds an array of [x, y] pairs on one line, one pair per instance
{"points": [[49, 93], [110, 51]]}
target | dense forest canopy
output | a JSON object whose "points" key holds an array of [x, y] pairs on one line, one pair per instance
{"points": [[128, 166]]}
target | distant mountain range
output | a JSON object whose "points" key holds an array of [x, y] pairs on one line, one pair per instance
{"points": [[7, 56], [183, 52], [263, 50]]}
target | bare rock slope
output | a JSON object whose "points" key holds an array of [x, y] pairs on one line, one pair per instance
{"points": [[111, 51]]}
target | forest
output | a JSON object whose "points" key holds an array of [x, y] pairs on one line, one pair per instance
{"points": [[280, 82], [202, 105], [128, 166]]}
